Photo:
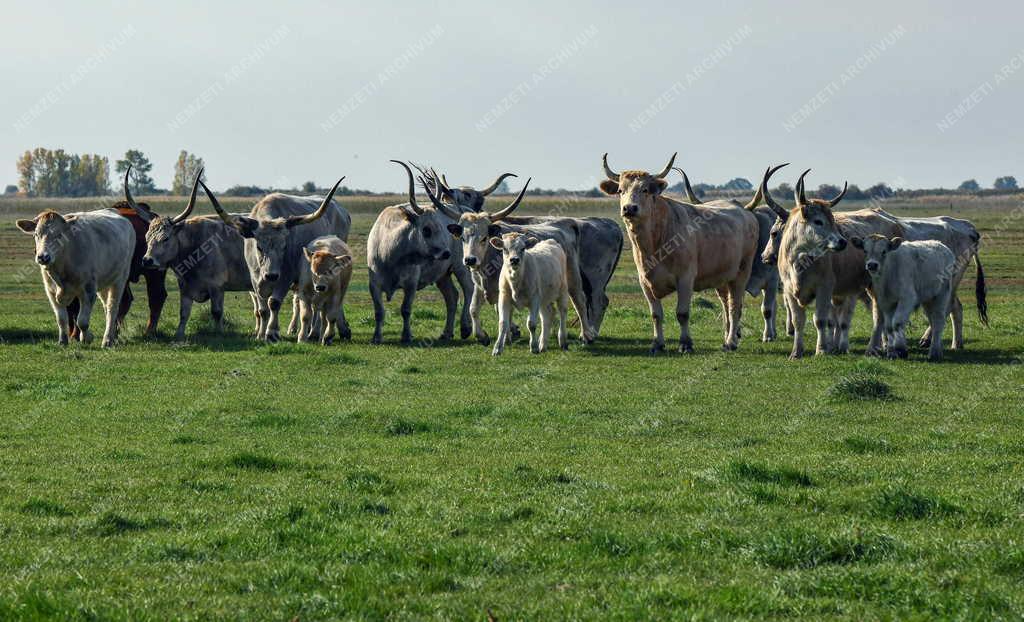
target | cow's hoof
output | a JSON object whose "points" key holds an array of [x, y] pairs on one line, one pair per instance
{"points": [[405, 340], [108, 343], [327, 342], [62, 341], [924, 344], [729, 347], [346, 333], [496, 352], [484, 340], [376, 340], [796, 356], [465, 332], [273, 338], [515, 333], [565, 347], [657, 348], [874, 352], [445, 337]]}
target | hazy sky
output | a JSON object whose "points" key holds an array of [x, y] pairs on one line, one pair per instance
{"points": [[913, 93]]}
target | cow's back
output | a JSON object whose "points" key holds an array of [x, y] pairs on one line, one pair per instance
{"points": [[102, 248]]}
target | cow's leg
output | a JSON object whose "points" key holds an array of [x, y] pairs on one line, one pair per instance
{"points": [[579, 302], [843, 319], [956, 315], [504, 323], [156, 296], [60, 312], [476, 303], [277, 298], [72, 312], [822, 313], [563, 325], [341, 321], [658, 316], [547, 317], [723, 299], [898, 330], [736, 291], [531, 323], [936, 312], [126, 302], [296, 311], [255, 314], [113, 301], [877, 326], [468, 291], [768, 306], [184, 312], [684, 296], [408, 296], [306, 320], [264, 312], [790, 324], [799, 326], [217, 309], [333, 315], [378, 311], [451, 304], [87, 300]]}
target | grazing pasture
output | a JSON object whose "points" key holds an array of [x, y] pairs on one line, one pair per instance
{"points": [[225, 478]]}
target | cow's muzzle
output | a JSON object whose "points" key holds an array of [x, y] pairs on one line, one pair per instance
{"points": [[513, 261], [469, 260], [630, 211], [149, 262], [769, 258], [872, 266], [320, 288], [271, 276], [43, 259], [837, 244]]}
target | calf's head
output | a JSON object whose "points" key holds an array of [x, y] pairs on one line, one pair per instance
{"points": [[637, 190], [475, 229], [52, 232], [326, 267], [513, 247], [876, 249]]}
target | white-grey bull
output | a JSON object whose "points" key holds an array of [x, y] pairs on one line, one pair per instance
{"points": [[206, 255], [683, 248], [599, 249], [764, 277], [276, 231], [82, 256], [817, 265], [409, 248]]}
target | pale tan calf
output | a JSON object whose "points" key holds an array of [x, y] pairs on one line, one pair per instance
{"points": [[321, 290]]}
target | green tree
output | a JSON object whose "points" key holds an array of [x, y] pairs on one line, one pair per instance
{"points": [[309, 187], [185, 169], [140, 181], [738, 183], [10, 189], [27, 174], [971, 185], [880, 191], [1005, 183]]}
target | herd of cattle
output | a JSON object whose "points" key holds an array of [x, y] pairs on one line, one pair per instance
{"points": [[287, 244]]}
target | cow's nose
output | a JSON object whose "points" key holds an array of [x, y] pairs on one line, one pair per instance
{"points": [[872, 266], [272, 276], [841, 244], [148, 262], [630, 210], [42, 259], [469, 261], [320, 288], [445, 255], [514, 261]]}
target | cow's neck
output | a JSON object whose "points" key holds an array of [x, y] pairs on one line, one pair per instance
{"points": [[648, 234]]}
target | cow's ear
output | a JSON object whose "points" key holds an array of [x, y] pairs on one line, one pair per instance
{"points": [[343, 259], [805, 211], [659, 186], [28, 226], [307, 253], [895, 243], [246, 226], [609, 186], [455, 229], [410, 215], [497, 243], [857, 243], [494, 231], [531, 242]]}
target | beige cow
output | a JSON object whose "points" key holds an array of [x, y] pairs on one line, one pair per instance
{"points": [[321, 290]]}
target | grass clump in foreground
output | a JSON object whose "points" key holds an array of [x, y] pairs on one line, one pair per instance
{"points": [[860, 386]]}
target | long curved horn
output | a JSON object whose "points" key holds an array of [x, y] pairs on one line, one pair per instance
{"points": [[612, 175], [191, 200], [690, 196], [440, 185], [444, 180], [762, 189], [668, 167], [778, 209], [798, 192], [412, 187], [496, 216], [143, 213], [436, 200], [497, 182], [320, 211], [842, 194], [216, 205]]}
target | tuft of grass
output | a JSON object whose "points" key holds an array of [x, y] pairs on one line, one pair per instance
{"points": [[185, 439], [42, 507], [865, 445], [255, 462], [783, 476], [401, 426], [900, 503], [858, 386], [113, 524], [272, 420], [798, 549], [369, 482]]}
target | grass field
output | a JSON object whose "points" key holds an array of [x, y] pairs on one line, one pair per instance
{"points": [[227, 479]]}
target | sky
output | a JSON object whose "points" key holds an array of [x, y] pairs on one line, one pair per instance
{"points": [[908, 92]]}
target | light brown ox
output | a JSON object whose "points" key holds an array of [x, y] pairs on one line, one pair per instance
{"points": [[817, 265], [683, 248]]}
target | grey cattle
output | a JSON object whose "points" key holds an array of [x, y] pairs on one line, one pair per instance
{"points": [[408, 248], [905, 276], [206, 255], [276, 231], [764, 277], [963, 239], [599, 247], [81, 256]]}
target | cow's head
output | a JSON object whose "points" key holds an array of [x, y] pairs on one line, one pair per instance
{"points": [[816, 224], [52, 233], [475, 229], [426, 236], [163, 242], [462, 198], [637, 190], [513, 246], [326, 267], [876, 248], [270, 234]]}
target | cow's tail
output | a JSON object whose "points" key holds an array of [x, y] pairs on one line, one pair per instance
{"points": [[981, 290]]}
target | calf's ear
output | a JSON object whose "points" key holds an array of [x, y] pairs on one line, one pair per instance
{"points": [[857, 243], [307, 253], [28, 226], [455, 230], [895, 243], [609, 186], [343, 259], [246, 226], [496, 243], [531, 242], [494, 231]]}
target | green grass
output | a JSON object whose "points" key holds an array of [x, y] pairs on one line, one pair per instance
{"points": [[224, 479]]}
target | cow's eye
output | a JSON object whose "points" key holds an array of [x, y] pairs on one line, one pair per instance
{"points": [[819, 223], [427, 233]]}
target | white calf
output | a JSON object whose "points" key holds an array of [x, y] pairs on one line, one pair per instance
{"points": [[534, 276], [322, 286]]}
